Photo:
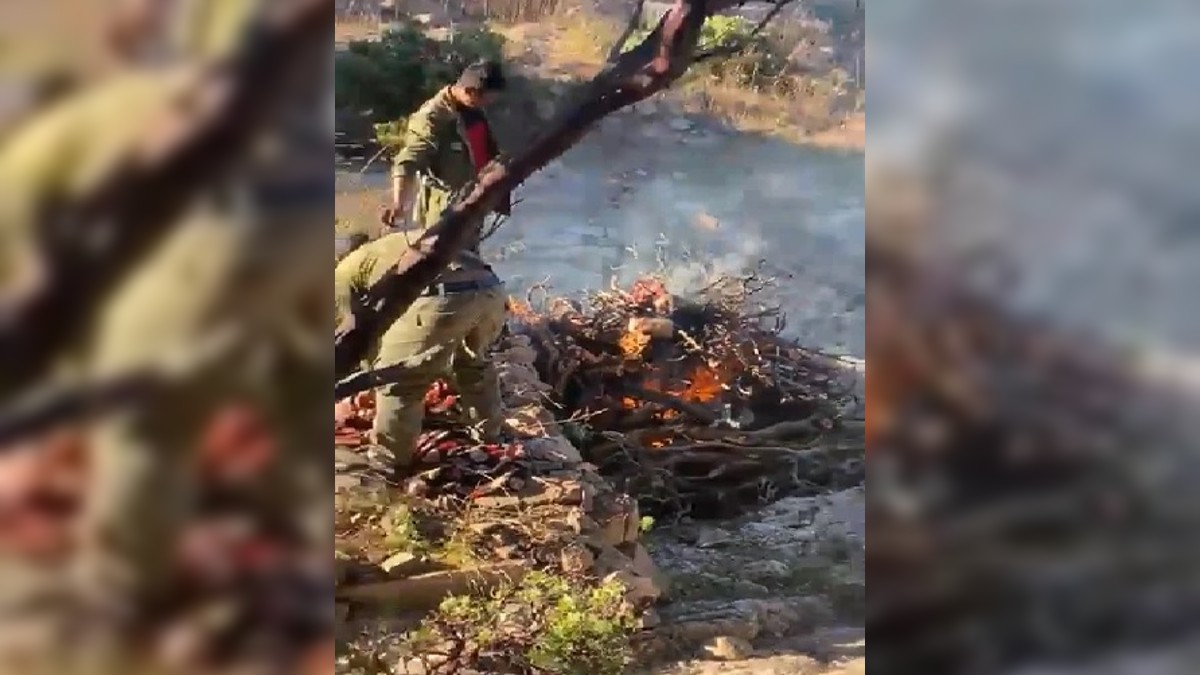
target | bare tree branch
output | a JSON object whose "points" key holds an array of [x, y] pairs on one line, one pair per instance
{"points": [[377, 377], [41, 413], [47, 412]]}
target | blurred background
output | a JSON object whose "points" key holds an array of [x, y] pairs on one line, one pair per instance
{"points": [[163, 487], [1030, 262]]}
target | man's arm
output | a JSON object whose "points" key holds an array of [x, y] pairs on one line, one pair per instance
{"points": [[403, 186], [420, 146]]}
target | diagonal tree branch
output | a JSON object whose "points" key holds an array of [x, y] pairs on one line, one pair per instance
{"points": [[39, 414], [634, 75], [90, 244]]}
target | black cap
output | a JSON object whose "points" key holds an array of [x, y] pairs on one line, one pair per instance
{"points": [[483, 76]]}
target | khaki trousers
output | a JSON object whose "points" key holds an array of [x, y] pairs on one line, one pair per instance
{"points": [[448, 336]]}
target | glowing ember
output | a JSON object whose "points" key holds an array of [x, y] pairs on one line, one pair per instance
{"points": [[704, 385], [648, 290]]}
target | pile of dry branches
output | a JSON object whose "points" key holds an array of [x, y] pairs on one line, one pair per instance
{"points": [[697, 406]]}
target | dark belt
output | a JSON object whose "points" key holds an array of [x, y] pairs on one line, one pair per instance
{"points": [[453, 287]]}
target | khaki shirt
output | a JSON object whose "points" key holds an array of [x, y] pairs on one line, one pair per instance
{"points": [[437, 152], [366, 265]]}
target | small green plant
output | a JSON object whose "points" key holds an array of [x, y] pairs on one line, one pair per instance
{"points": [[545, 624], [646, 524], [402, 533]]}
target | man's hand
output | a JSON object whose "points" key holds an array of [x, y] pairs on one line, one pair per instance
{"points": [[402, 197], [392, 214]]}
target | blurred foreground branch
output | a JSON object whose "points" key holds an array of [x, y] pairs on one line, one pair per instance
{"points": [[89, 245], [33, 416]]}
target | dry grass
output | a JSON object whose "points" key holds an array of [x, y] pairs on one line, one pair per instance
{"points": [[348, 29], [574, 44], [582, 40], [522, 11], [357, 209]]}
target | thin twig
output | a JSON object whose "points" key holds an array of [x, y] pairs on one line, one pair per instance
{"points": [[379, 377], [635, 20]]}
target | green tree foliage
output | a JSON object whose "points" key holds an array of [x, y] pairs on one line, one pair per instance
{"points": [[387, 79]]}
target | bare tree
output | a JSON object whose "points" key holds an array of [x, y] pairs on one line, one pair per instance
{"points": [[629, 76]]}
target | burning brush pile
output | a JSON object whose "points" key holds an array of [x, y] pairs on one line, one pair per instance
{"points": [[696, 405]]}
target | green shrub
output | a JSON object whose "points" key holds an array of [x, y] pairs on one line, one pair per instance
{"points": [[387, 79], [546, 624], [756, 64]]}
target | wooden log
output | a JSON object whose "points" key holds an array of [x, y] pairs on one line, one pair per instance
{"points": [[426, 592]]}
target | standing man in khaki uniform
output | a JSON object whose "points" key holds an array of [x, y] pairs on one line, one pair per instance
{"points": [[450, 328]]}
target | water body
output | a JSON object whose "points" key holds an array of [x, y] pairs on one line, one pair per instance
{"points": [[632, 200]]}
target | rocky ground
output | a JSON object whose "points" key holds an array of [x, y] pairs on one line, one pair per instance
{"points": [[774, 591], [778, 591]]}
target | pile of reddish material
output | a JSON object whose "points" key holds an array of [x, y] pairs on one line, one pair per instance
{"points": [[42, 482], [354, 416], [42, 488], [449, 458]]}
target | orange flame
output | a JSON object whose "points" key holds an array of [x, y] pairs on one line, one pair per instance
{"points": [[632, 343], [521, 310], [704, 385]]}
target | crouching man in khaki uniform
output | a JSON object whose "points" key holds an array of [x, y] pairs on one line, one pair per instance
{"points": [[447, 331]]}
